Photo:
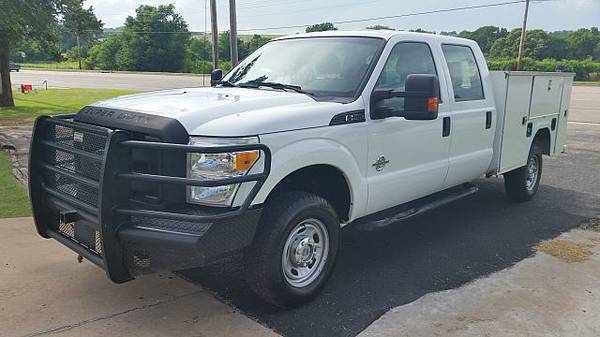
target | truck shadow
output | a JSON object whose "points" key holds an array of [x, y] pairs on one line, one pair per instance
{"points": [[440, 250]]}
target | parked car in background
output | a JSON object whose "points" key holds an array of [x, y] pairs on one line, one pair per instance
{"points": [[14, 66]]}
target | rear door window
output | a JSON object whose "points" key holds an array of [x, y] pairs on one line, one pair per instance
{"points": [[464, 73]]}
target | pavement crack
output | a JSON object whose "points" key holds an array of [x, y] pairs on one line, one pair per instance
{"points": [[68, 327]]}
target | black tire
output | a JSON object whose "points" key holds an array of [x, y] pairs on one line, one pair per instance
{"points": [[517, 182], [264, 261]]}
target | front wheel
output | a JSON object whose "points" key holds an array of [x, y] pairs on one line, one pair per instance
{"points": [[294, 249], [522, 184]]}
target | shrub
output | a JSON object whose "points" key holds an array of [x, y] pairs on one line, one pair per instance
{"points": [[584, 69]]}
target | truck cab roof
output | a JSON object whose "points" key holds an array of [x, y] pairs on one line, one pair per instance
{"points": [[381, 34]]}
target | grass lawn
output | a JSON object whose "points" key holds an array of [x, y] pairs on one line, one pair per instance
{"points": [[65, 65], [587, 83], [14, 201], [52, 102]]}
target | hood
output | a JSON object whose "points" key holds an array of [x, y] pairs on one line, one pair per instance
{"points": [[230, 112]]}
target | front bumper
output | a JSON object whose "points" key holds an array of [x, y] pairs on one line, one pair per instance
{"points": [[80, 187]]}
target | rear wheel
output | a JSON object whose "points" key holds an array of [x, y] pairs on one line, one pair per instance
{"points": [[522, 184], [294, 249]]}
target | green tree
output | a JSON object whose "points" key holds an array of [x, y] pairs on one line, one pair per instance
{"points": [[225, 47], [29, 49], [104, 55], [379, 27], [584, 43], [538, 45], [485, 36], [420, 30], [256, 42], [20, 19], [452, 33], [83, 23], [156, 39], [200, 49], [321, 27]]}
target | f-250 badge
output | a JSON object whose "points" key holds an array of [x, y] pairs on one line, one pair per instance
{"points": [[380, 163]]}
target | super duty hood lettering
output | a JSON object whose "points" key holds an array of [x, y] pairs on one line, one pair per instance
{"points": [[216, 111]]}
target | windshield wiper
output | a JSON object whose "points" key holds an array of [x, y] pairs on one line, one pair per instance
{"points": [[226, 83], [275, 85]]}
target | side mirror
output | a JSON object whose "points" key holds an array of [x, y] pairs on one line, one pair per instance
{"points": [[420, 99], [423, 105], [215, 77]]}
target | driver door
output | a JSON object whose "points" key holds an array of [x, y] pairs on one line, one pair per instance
{"points": [[407, 159]]}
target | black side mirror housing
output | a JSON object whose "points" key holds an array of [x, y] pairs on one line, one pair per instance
{"points": [[420, 99], [215, 77]]}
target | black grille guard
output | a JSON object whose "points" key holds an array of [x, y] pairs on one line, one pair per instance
{"points": [[106, 204]]}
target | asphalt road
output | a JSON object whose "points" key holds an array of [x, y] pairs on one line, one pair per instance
{"points": [[443, 249], [133, 81]]}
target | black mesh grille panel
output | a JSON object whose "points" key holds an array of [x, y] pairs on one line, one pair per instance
{"points": [[79, 139], [171, 225], [76, 152], [70, 187]]}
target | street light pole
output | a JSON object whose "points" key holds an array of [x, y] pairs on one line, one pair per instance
{"points": [[233, 33], [522, 40], [214, 33]]}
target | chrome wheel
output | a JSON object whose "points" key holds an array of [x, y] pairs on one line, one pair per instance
{"points": [[305, 253], [532, 173]]}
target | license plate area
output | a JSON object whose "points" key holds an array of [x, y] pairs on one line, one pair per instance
{"points": [[82, 233]]}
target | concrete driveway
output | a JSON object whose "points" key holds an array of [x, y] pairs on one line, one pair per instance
{"points": [[44, 291]]}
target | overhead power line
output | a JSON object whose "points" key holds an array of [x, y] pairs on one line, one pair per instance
{"points": [[435, 11], [312, 9], [444, 10]]}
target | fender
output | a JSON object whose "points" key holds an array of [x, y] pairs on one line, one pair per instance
{"points": [[296, 155]]}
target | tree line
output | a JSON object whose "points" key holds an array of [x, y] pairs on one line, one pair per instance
{"points": [[157, 38]]}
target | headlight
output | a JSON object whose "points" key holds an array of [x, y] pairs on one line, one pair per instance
{"points": [[209, 166]]}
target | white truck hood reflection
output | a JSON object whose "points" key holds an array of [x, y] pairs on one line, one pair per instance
{"points": [[231, 112]]}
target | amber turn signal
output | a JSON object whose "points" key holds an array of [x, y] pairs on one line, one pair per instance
{"points": [[245, 160]]}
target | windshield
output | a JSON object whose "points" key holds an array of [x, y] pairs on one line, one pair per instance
{"points": [[321, 67]]}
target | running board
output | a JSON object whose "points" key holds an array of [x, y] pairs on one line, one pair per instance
{"points": [[417, 207]]}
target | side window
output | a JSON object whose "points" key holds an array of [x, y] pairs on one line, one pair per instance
{"points": [[405, 59], [464, 73]]}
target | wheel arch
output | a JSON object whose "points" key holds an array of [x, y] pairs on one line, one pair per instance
{"points": [[543, 139], [324, 180]]}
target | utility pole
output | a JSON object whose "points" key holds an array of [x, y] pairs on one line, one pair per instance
{"points": [[78, 50], [233, 33], [214, 33], [522, 41]]}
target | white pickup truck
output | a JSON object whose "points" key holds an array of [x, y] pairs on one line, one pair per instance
{"points": [[308, 134]]}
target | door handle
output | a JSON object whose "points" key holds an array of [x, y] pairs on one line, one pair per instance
{"points": [[446, 127], [488, 119]]}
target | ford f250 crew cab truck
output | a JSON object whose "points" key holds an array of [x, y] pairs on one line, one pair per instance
{"points": [[308, 134]]}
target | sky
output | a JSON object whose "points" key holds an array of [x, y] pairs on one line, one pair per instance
{"points": [[254, 15]]}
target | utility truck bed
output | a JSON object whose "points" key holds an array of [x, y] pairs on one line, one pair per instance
{"points": [[527, 101]]}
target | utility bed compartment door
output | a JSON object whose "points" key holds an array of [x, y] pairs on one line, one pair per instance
{"points": [[546, 97], [561, 129], [515, 147]]}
